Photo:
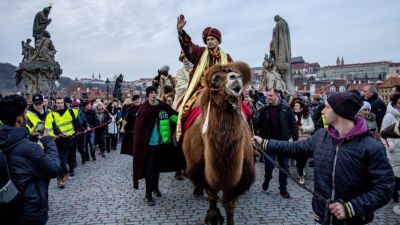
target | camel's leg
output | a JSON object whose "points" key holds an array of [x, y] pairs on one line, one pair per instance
{"points": [[213, 214], [229, 201]]}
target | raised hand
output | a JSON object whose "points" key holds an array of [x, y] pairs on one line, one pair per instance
{"points": [[181, 23]]}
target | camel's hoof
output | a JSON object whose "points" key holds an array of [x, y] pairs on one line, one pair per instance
{"points": [[214, 218]]}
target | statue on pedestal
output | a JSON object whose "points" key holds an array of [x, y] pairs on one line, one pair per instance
{"points": [[39, 70], [117, 93], [280, 53], [270, 78]]}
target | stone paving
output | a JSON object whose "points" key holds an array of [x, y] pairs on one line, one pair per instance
{"points": [[101, 192]]}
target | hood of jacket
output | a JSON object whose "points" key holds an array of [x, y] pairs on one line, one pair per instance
{"points": [[360, 127], [392, 110], [11, 135]]}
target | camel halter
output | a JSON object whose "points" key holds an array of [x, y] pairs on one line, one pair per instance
{"points": [[205, 125], [206, 121]]}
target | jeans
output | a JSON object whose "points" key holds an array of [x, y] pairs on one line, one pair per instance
{"points": [[89, 145], [82, 147], [269, 167]]}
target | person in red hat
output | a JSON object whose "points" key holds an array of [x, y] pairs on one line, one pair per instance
{"points": [[202, 58]]}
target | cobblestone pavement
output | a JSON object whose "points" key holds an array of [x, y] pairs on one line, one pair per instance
{"points": [[101, 193]]}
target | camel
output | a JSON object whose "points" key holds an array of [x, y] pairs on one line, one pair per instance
{"points": [[217, 146]]}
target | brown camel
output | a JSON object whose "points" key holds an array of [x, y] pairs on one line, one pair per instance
{"points": [[219, 153]]}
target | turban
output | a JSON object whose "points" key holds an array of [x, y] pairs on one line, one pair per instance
{"points": [[214, 32]]}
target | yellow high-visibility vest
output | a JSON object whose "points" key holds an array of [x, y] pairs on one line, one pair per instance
{"points": [[32, 121], [63, 122]]}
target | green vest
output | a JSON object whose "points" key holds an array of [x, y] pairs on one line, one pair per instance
{"points": [[165, 127]]}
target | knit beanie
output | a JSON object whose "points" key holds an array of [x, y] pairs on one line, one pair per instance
{"points": [[150, 89], [346, 104], [214, 32], [366, 105]]}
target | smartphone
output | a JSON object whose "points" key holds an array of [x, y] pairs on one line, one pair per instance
{"points": [[40, 127]]}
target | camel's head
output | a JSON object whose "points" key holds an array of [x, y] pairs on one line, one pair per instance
{"points": [[230, 78]]}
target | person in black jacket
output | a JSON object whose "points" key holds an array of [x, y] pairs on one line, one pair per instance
{"points": [[31, 166], [276, 121], [351, 170], [378, 107]]}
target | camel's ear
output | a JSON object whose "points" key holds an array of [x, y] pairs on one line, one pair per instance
{"points": [[243, 69]]}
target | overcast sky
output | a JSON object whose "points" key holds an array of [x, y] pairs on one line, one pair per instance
{"points": [[138, 37]]}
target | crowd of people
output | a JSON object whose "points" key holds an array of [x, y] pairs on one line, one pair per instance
{"points": [[353, 164]]}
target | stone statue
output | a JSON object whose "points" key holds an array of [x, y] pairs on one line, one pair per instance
{"points": [[46, 50], [117, 93], [27, 50], [41, 22], [270, 77], [280, 52], [39, 71]]}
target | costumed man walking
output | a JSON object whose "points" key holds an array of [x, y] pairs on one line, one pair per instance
{"points": [[202, 58], [59, 124], [182, 79], [128, 125], [151, 133]]}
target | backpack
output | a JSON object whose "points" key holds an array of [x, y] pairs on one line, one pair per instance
{"points": [[8, 190]]}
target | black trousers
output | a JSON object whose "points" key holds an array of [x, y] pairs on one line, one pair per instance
{"points": [[151, 170], [301, 163], [111, 142], [64, 145], [100, 138], [72, 155]]}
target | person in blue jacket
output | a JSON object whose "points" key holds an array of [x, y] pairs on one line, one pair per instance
{"points": [[31, 166]]}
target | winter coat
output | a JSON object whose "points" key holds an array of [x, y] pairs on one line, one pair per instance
{"points": [[378, 107], [371, 122], [392, 144], [307, 125], [353, 168], [31, 169], [82, 121], [91, 117], [391, 131], [286, 119], [112, 126]]}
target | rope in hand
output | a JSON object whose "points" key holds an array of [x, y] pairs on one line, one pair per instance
{"points": [[84, 132], [317, 195]]}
